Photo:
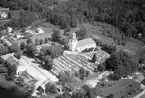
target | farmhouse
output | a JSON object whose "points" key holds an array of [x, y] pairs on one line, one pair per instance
{"points": [[4, 13], [81, 45], [5, 41]]}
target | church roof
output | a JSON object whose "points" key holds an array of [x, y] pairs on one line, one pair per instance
{"points": [[84, 42]]}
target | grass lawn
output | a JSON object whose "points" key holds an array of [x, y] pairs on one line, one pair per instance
{"points": [[126, 88]]}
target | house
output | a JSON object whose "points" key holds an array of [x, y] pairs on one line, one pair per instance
{"points": [[39, 30], [13, 61], [4, 13], [5, 41], [78, 46]]}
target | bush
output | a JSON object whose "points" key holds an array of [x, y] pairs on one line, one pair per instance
{"points": [[46, 40], [22, 46], [41, 41], [101, 67], [18, 55], [109, 48], [11, 72], [3, 50], [113, 77], [37, 41], [14, 48], [31, 49], [29, 40]]}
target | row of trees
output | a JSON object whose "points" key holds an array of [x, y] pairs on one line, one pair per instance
{"points": [[121, 64]]}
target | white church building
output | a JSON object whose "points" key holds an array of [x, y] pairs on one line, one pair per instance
{"points": [[78, 46]]}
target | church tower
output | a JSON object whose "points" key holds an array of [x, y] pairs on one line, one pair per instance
{"points": [[74, 41]]}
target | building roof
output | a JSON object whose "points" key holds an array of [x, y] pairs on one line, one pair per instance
{"points": [[12, 60], [85, 42], [1, 8]]}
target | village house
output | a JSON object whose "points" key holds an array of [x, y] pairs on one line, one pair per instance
{"points": [[4, 13], [78, 46]]}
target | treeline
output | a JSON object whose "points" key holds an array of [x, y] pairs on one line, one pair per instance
{"points": [[127, 15]]}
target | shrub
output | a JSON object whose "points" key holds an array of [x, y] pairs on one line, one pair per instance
{"points": [[14, 48], [22, 46], [113, 77]]}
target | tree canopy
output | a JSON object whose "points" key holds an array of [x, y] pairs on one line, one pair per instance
{"points": [[14, 48], [121, 64], [31, 49], [3, 50]]}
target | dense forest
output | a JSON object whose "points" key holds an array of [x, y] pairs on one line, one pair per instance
{"points": [[127, 15]]}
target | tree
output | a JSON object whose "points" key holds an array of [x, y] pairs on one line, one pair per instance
{"points": [[50, 88], [83, 73], [81, 34], [98, 41], [56, 35], [46, 40], [22, 46], [26, 18], [3, 50], [1, 60], [73, 22], [64, 41], [48, 62], [101, 67], [110, 96], [113, 62], [31, 49], [113, 77], [94, 58], [54, 51], [13, 5], [29, 40], [141, 61], [11, 72], [18, 55], [41, 41], [121, 71], [109, 48], [37, 41], [14, 48]]}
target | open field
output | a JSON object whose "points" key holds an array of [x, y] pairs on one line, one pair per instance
{"points": [[140, 53], [126, 88]]}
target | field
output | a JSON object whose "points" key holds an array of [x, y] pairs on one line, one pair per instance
{"points": [[69, 62], [121, 89]]}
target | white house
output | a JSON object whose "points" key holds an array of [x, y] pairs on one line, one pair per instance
{"points": [[5, 41], [3, 15], [78, 46], [39, 30]]}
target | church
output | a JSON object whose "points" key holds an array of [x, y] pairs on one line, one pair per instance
{"points": [[78, 46]]}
